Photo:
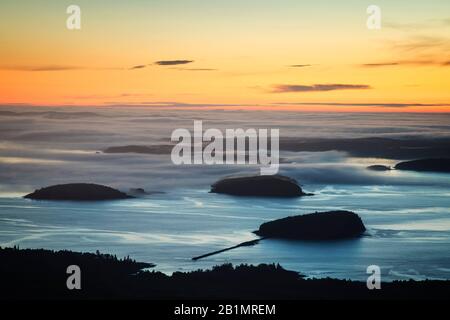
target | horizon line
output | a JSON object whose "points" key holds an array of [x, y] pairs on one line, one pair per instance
{"points": [[275, 106]]}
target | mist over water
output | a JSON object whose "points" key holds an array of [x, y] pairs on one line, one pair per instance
{"points": [[407, 214]]}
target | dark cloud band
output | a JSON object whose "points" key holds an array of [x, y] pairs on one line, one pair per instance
{"points": [[172, 62]]}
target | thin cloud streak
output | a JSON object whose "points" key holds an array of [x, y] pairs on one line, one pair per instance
{"points": [[45, 68], [406, 63], [283, 88], [380, 64], [175, 104], [352, 104], [172, 62], [300, 65], [114, 96], [42, 68], [423, 43], [141, 66], [50, 68]]}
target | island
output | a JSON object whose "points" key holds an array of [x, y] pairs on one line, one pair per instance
{"points": [[379, 167], [152, 149], [138, 192], [431, 165], [77, 192], [265, 186], [330, 225]]}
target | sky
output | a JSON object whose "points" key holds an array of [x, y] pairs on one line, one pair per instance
{"points": [[245, 54]]}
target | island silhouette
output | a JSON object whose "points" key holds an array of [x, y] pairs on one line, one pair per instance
{"points": [[77, 192], [259, 185]]}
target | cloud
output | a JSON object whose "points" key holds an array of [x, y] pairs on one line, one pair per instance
{"points": [[300, 65], [112, 96], [351, 104], [123, 104], [318, 87], [380, 64], [406, 63], [65, 151], [172, 62], [42, 68], [174, 104], [141, 66], [422, 43], [60, 115]]}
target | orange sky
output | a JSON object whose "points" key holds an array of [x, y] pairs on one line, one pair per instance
{"points": [[266, 54]]}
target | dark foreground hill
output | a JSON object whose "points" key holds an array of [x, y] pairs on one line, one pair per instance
{"points": [[41, 274], [77, 192]]}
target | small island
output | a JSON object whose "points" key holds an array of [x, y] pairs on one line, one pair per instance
{"points": [[137, 192], [265, 186], [330, 225], [430, 165], [77, 192], [153, 149], [379, 167]]}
